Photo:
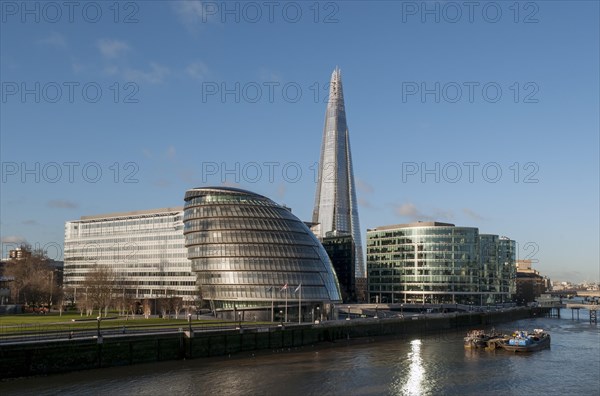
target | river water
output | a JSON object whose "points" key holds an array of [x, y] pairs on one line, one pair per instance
{"points": [[413, 365]]}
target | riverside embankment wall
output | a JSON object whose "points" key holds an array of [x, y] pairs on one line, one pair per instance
{"points": [[41, 358]]}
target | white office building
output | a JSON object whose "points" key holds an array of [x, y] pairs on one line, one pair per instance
{"points": [[145, 250]]}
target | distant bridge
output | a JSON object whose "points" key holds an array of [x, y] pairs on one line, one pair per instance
{"points": [[579, 293]]}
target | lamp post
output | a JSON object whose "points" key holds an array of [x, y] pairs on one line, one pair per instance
{"points": [[319, 314], [376, 307], [98, 319], [281, 317], [240, 319], [190, 323], [348, 317], [402, 310]]}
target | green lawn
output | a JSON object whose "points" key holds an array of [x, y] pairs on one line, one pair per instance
{"points": [[34, 323], [25, 319]]}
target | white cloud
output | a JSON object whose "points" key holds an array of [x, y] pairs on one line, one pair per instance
{"points": [[188, 176], [197, 70], [62, 204], [162, 183], [363, 186], [171, 152], [192, 13], [112, 48], [155, 75], [281, 191], [14, 239], [365, 203], [410, 211], [472, 214], [55, 39]]}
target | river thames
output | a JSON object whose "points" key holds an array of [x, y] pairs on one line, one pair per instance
{"points": [[434, 364]]}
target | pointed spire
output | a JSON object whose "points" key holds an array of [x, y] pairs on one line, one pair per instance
{"points": [[335, 85]]}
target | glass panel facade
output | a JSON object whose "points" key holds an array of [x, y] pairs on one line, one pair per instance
{"points": [[335, 201], [439, 264], [245, 248]]}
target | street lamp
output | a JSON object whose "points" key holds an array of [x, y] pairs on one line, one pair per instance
{"points": [[319, 314], [348, 317], [281, 317], [376, 307], [240, 319], [190, 323], [98, 319], [402, 310]]}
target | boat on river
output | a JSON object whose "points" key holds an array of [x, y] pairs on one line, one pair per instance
{"points": [[480, 339], [523, 341]]}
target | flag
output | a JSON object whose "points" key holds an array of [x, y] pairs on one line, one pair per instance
{"points": [[298, 288], [269, 288], [284, 287]]}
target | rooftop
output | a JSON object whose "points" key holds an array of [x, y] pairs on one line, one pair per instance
{"points": [[135, 213], [415, 224]]}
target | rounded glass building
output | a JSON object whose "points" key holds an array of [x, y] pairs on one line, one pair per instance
{"points": [[254, 257]]}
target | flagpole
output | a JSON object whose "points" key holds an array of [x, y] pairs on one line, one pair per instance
{"points": [[286, 293], [272, 317], [300, 303]]}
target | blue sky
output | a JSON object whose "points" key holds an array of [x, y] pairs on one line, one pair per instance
{"points": [[483, 117]]}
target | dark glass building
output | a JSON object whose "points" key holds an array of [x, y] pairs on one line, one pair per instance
{"points": [[254, 258], [341, 250]]}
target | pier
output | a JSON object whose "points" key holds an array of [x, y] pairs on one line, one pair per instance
{"points": [[593, 308]]}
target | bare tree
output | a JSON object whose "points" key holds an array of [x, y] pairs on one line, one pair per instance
{"points": [[33, 278], [163, 306], [100, 284], [147, 308], [175, 305]]}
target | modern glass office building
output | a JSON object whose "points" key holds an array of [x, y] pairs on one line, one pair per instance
{"points": [[431, 262], [498, 269], [336, 208], [254, 257], [145, 250]]}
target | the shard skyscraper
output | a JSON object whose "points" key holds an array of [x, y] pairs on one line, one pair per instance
{"points": [[335, 201]]}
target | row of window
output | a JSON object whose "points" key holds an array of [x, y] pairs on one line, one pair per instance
{"points": [[182, 290], [276, 279], [256, 264], [203, 237], [126, 239], [261, 212], [224, 292], [405, 250], [220, 198], [243, 224], [428, 231], [252, 251]]}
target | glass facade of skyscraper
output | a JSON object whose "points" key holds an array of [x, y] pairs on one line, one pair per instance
{"points": [[144, 249], [251, 253], [336, 208], [437, 263]]}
